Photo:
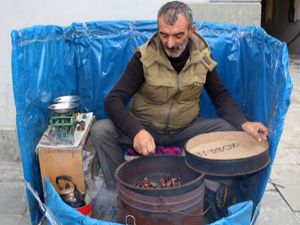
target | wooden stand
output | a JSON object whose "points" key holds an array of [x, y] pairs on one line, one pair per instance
{"points": [[64, 160]]}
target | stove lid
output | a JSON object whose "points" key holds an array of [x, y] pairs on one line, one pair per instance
{"points": [[228, 153]]}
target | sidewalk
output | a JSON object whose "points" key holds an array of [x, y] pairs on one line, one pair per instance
{"points": [[281, 202], [13, 201]]}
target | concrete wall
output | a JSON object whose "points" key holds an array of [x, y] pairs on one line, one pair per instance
{"points": [[234, 12], [16, 14]]}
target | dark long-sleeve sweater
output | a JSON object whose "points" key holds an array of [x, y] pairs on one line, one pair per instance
{"points": [[132, 80]]}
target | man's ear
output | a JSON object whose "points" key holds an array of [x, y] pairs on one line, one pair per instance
{"points": [[192, 30]]}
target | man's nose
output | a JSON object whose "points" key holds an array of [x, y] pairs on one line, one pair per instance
{"points": [[170, 42]]}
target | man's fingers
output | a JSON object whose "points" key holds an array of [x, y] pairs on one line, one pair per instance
{"points": [[144, 143], [261, 134], [142, 149], [148, 148], [256, 129], [145, 151], [151, 148]]}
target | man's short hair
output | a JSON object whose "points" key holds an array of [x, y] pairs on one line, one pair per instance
{"points": [[170, 11]]}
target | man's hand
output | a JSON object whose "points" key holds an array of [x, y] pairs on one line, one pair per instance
{"points": [[256, 129], [144, 143]]}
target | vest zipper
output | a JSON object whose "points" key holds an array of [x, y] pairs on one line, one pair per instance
{"points": [[171, 105]]}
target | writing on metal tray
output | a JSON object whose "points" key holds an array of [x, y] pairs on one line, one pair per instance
{"points": [[219, 149]]}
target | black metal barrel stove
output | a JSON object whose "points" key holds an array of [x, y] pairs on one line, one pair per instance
{"points": [[181, 205], [216, 155]]}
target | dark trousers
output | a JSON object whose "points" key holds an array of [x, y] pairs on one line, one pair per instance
{"points": [[108, 139]]}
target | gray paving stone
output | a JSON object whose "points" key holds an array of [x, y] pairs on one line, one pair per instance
{"points": [[283, 157], [275, 211], [298, 215], [270, 187], [295, 153], [9, 146], [105, 206], [25, 221], [287, 178], [9, 219], [27, 213], [11, 171], [13, 198], [291, 132]]}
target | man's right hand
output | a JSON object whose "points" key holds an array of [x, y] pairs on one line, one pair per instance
{"points": [[144, 143]]}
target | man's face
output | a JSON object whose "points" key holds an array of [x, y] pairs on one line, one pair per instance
{"points": [[174, 38]]}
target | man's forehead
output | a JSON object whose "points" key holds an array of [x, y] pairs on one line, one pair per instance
{"points": [[181, 25]]}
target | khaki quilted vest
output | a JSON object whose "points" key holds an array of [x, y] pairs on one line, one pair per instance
{"points": [[168, 101]]}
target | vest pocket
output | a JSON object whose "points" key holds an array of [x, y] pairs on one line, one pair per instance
{"points": [[191, 92], [157, 94]]}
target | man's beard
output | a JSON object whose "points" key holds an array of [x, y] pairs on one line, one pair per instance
{"points": [[181, 50]]}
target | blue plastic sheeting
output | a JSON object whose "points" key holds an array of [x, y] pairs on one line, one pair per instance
{"points": [[87, 59], [237, 214], [65, 214]]}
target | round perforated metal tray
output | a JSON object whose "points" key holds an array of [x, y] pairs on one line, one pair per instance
{"points": [[231, 153], [63, 107], [67, 98]]}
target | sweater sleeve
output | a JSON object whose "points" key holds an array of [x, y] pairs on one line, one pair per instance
{"points": [[223, 102], [126, 87]]}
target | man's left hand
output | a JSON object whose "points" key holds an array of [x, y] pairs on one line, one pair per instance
{"points": [[256, 129]]}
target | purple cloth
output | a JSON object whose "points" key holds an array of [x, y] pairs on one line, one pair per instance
{"points": [[160, 150]]}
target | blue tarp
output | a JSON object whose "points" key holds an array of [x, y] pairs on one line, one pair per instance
{"points": [[87, 59], [65, 214]]}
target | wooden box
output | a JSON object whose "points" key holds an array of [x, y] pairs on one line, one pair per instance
{"points": [[64, 160], [57, 162]]}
